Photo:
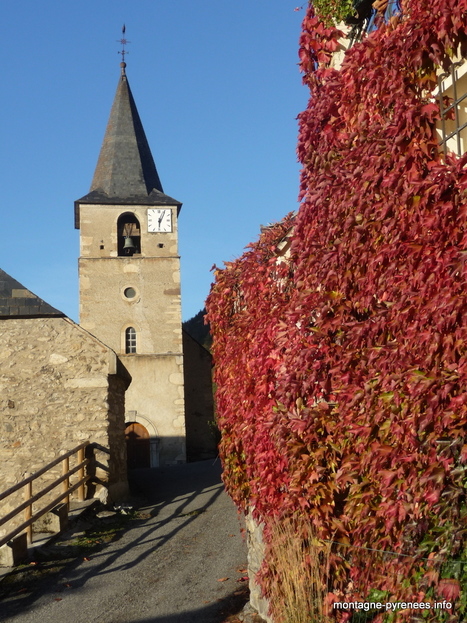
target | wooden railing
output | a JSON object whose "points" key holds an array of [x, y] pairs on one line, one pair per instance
{"points": [[30, 499]]}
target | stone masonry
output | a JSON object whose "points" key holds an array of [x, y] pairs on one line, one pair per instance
{"points": [[59, 386]]}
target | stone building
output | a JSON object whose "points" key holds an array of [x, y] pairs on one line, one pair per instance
{"points": [[59, 386], [127, 371], [129, 275], [201, 432]]}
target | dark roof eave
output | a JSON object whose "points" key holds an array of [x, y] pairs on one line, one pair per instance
{"points": [[32, 315]]}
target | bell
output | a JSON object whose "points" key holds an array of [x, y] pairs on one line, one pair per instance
{"points": [[129, 247]]}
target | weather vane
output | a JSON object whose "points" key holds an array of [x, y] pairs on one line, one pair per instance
{"points": [[123, 41]]}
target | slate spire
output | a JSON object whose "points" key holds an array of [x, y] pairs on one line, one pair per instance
{"points": [[125, 173], [125, 169]]}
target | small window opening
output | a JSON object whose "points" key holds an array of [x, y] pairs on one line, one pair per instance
{"points": [[130, 340], [129, 235]]}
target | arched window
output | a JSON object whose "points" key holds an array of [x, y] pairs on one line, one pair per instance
{"points": [[130, 340], [129, 234]]}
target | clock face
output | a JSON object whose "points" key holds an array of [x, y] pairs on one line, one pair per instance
{"points": [[160, 220]]}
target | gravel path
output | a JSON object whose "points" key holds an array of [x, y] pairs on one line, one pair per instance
{"points": [[181, 564]]}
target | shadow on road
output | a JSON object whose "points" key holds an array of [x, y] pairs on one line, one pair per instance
{"points": [[179, 485], [165, 484], [213, 613], [166, 494]]}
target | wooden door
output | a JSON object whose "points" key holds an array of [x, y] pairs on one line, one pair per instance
{"points": [[137, 446]]}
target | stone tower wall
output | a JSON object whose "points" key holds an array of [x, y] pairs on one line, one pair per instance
{"points": [[156, 393]]}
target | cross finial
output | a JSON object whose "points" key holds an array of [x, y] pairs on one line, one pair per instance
{"points": [[123, 41]]}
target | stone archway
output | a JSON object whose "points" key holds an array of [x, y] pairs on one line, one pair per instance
{"points": [[137, 446], [143, 441]]}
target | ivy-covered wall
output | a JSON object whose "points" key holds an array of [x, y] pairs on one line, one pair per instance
{"points": [[342, 372]]}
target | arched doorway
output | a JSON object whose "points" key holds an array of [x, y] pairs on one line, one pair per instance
{"points": [[137, 446]]}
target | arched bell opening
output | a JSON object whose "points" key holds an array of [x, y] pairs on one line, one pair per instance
{"points": [[129, 235]]}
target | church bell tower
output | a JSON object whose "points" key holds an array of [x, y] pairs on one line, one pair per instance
{"points": [[129, 279]]}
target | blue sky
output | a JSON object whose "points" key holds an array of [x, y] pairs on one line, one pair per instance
{"points": [[218, 90]]}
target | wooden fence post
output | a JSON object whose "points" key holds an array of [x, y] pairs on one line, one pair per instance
{"points": [[66, 482], [28, 509], [81, 495]]}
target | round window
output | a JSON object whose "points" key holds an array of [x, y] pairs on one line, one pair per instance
{"points": [[129, 293]]}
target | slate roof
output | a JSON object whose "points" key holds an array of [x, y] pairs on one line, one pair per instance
{"points": [[16, 301], [125, 171]]}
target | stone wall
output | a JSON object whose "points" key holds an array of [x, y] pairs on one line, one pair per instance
{"points": [[256, 549], [156, 395], [153, 309], [202, 435], [59, 386]]}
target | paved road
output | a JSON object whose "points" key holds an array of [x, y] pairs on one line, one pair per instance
{"points": [[163, 570]]}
